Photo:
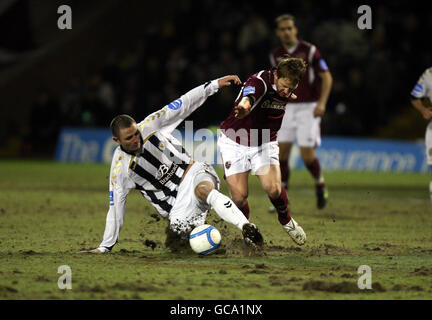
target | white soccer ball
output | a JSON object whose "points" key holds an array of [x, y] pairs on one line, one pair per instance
{"points": [[204, 239]]}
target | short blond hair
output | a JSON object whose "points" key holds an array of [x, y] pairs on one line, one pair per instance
{"points": [[291, 68], [283, 17]]}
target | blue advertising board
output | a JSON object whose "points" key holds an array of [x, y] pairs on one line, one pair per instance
{"points": [[335, 153]]}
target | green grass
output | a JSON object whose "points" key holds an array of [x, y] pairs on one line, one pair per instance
{"points": [[50, 211]]}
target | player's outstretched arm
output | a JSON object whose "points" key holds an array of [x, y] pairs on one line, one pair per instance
{"points": [[119, 188], [170, 116], [228, 80], [244, 108]]}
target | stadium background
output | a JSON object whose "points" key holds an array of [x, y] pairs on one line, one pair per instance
{"points": [[135, 58]]}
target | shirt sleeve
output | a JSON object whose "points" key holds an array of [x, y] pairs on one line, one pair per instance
{"points": [[272, 60], [254, 87], [420, 89], [119, 188], [170, 116], [318, 63]]}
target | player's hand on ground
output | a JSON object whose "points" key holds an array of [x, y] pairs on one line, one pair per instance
{"points": [[427, 113], [95, 251], [227, 80], [243, 108], [319, 110]]}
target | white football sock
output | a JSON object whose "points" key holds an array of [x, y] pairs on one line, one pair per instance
{"points": [[226, 209]]}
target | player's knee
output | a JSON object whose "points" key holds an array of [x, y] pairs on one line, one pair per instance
{"points": [[307, 155], [273, 190], [240, 199], [203, 189]]}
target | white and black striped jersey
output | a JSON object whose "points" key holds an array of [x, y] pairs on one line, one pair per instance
{"points": [[157, 168]]}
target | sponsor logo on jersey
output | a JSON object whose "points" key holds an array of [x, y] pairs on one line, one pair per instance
{"points": [[248, 90], [273, 105], [163, 169], [111, 198], [323, 65], [176, 104], [167, 174]]}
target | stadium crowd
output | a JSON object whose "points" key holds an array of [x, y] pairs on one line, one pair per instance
{"points": [[373, 70]]}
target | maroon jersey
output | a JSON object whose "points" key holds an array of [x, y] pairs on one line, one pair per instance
{"points": [[309, 88], [265, 119]]}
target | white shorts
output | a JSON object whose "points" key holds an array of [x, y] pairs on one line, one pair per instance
{"points": [[238, 158], [428, 141], [188, 210], [299, 124]]}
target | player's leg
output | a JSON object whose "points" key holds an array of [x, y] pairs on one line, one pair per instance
{"points": [[313, 166], [265, 164], [286, 137], [206, 189], [236, 171], [238, 187], [284, 155], [309, 137]]}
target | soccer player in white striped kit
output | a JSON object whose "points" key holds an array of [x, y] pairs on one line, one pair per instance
{"points": [[421, 96], [151, 160]]}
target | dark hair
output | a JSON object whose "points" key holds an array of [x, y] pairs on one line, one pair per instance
{"points": [[283, 17], [291, 68], [120, 122]]}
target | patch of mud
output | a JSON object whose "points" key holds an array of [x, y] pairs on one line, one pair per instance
{"points": [[156, 218], [422, 271], [84, 288], [401, 287], [124, 251], [341, 287], [150, 243], [42, 279], [7, 289], [29, 252], [175, 243], [327, 249], [135, 287], [238, 247]]}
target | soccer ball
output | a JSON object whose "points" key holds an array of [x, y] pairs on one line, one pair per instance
{"points": [[204, 239]]}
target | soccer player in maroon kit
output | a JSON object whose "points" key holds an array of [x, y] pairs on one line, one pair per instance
{"points": [[248, 138], [303, 116]]}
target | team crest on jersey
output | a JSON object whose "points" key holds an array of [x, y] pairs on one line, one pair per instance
{"points": [[228, 165], [161, 146]]}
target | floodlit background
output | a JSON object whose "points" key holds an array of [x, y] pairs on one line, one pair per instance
{"points": [[134, 57]]}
